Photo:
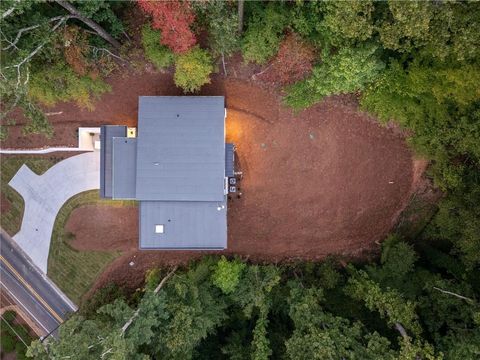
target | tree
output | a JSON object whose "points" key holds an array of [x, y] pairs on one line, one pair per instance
{"points": [[347, 22], [241, 4], [320, 335], [409, 25], [227, 274], [173, 19], [92, 24], [60, 83], [397, 264], [254, 296], [294, 61], [160, 55], [390, 304], [455, 31], [429, 99], [350, 70], [399, 313], [264, 33], [31, 37], [221, 22], [192, 69]]}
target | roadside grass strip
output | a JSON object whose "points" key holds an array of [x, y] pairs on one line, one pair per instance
{"points": [[75, 271]]}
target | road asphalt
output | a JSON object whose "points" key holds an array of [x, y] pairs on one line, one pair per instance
{"points": [[31, 289]]}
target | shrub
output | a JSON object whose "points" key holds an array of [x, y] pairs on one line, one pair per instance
{"points": [[348, 71], [152, 278], [9, 316], [192, 69], [7, 342], [264, 34], [38, 123], [227, 274], [173, 19], [59, 82], [160, 55], [102, 296], [293, 61]]}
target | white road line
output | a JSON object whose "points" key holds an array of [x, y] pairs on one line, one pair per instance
{"points": [[26, 258], [35, 300], [25, 308]]}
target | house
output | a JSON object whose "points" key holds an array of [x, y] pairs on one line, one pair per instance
{"points": [[177, 168]]}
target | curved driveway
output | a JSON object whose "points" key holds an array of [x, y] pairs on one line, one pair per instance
{"points": [[45, 194]]}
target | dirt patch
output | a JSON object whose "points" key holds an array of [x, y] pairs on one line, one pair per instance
{"points": [[120, 106], [5, 205], [103, 228], [327, 180]]}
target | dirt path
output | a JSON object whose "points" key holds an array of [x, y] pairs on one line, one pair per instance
{"points": [[328, 180]]}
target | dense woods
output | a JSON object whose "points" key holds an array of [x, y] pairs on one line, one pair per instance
{"points": [[408, 305], [415, 64]]}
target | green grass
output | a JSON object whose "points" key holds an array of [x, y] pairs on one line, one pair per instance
{"points": [[12, 219], [72, 270]]}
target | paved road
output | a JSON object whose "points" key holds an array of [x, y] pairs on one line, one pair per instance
{"points": [[45, 194], [30, 289]]}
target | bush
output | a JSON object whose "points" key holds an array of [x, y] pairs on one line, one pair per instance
{"points": [[9, 316], [38, 123], [293, 62], [160, 55], [7, 342], [102, 296], [350, 70], [20, 351], [59, 82], [192, 69], [3, 133], [227, 274], [264, 34]]}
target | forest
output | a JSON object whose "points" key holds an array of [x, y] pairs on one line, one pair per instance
{"points": [[415, 64]]}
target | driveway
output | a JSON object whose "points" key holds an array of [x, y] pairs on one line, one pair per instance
{"points": [[45, 194]]}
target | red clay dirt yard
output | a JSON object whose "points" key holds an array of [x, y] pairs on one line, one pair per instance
{"points": [[328, 180]]}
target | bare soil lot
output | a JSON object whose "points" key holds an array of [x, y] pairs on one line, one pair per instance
{"points": [[328, 180], [103, 228]]}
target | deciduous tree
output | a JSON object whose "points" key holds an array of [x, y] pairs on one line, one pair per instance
{"points": [[350, 70], [174, 20], [192, 69]]}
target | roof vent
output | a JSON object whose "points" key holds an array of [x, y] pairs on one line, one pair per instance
{"points": [[159, 229]]}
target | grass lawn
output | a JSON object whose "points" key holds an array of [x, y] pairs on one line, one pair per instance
{"points": [[12, 202], [72, 270]]}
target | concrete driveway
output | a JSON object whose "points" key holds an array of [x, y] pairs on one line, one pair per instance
{"points": [[44, 195]]}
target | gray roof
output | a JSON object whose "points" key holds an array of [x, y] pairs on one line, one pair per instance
{"points": [[187, 225], [229, 160], [181, 148], [176, 168], [124, 168], [107, 133]]}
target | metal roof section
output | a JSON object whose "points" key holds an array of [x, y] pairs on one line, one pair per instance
{"points": [[107, 133], [176, 168], [124, 159], [183, 225], [181, 148], [229, 160]]}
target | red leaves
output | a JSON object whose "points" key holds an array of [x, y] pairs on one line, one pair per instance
{"points": [[173, 19], [294, 61]]}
